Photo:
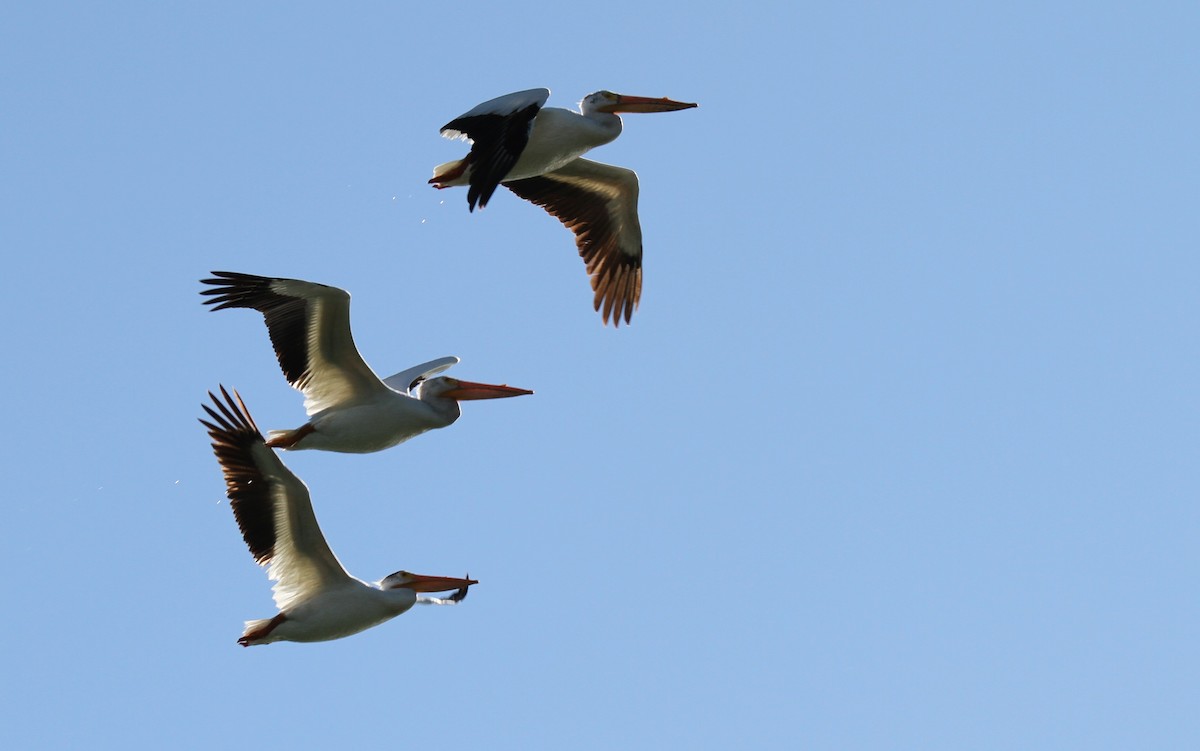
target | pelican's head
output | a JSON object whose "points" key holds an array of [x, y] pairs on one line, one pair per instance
{"points": [[607, 101], [422, 583]]}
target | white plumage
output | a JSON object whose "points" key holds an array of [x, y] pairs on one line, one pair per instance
{"points": [[316, 597], [536, 153], [350, 408]]}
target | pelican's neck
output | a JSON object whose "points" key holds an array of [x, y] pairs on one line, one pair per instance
{"points": [[441, 411], [607, 125], [397, 600], [561, 135]]}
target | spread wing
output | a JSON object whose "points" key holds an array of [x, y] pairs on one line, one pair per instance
{"points": [[271, 505], [598, 202], [309, 325]]}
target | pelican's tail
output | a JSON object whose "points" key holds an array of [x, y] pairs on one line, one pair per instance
{"points": [[279, 438], [450, 173], [259, 631], [287, 439]]}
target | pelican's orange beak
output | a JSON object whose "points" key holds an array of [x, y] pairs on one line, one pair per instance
{"points": [[648, 104], [466, 390], [422, 583]]}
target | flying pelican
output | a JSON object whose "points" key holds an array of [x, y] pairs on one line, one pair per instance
{"points": [[317, 599], [535, 153], [350, 409]]}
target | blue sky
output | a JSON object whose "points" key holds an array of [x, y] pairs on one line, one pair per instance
{"points": [[899, 451]]}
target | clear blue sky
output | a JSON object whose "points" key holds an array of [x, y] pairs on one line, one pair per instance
{"points": [[899, 452]]}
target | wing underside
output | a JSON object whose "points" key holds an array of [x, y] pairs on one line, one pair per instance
{"points": [[598, 203], [309, 326], [271, 505]]}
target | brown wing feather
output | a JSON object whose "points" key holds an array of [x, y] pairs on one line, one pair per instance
{"points": [[271, 505], [309, 325], [286, 317], [598, 203], [233, 435]]}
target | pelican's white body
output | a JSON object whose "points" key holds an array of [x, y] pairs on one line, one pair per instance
{"points": [[559, 136], [374, 424], [347, 607]]}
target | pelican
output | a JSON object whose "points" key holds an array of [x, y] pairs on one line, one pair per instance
{"points": [[317, 599], [350, 409], [535, 152]]}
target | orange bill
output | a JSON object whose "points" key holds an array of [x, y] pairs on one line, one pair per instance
{"points": [[648, 104], [464, 390], [422, 583]]}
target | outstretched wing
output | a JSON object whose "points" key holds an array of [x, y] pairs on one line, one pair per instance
{"points": [[271, 505], [406, 379], [598, 202], [309, 325]]}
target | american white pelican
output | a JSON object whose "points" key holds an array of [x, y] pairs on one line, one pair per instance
{"points": [[350, 409], [317, 599], [535, 153]]}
